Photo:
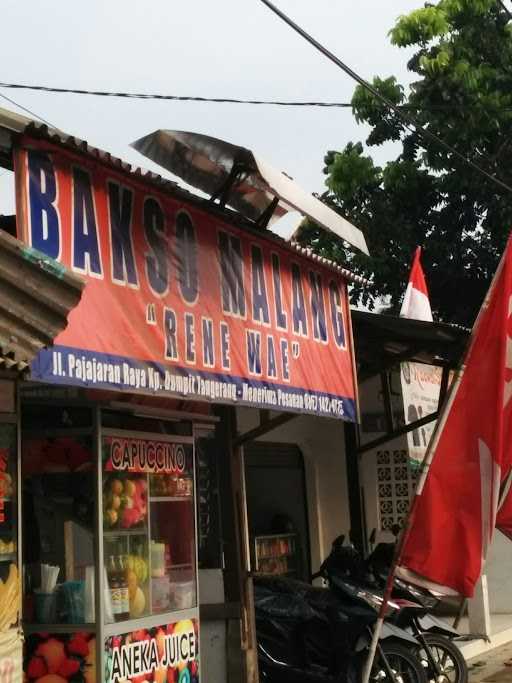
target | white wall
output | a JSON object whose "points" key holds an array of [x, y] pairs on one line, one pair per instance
{"points": [[498, 569], [372, 407], [322, 443]]}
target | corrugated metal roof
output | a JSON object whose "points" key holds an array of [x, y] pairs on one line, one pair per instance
{"points": [[18, 124], [36, 296]]}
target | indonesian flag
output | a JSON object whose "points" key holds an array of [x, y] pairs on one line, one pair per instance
{"points": [[416, 303], [463, 493]]}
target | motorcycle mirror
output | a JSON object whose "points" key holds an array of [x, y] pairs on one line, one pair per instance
{"points": [[395, 530], [338, 542]]}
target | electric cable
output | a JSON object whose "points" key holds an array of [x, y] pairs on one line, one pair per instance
{"points": [[409, 121], [28, 111], [222, 100]]}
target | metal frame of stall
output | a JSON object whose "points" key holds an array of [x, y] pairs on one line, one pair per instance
{"points": [[96, 432]]}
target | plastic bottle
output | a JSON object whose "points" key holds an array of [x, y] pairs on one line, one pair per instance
{"points": [[115, 589], [123, 589]]}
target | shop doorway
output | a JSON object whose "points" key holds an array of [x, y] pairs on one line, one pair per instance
{"points": [[277, 509]]}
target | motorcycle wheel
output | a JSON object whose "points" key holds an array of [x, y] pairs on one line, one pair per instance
{"points": [[449, 658], [406, 666]]}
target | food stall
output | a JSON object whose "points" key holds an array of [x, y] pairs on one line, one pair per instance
{"points": [[186, 302], [115, 502]]}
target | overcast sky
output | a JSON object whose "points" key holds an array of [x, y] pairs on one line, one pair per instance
{"points": [[226, 48]]}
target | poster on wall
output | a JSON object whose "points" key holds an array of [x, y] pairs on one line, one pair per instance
{"points": [[421, 385], [162, 654], [178, 301], [11, 656]]}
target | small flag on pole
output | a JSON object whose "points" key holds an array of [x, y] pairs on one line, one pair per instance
{"points": [[421, 384], [416, 303]]}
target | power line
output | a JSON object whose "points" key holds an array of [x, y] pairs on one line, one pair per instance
{"points": [[28, 111], [177, 98], [224, 100], [409, 120]]}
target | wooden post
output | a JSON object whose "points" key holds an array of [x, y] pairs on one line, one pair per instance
{"points": [[242, 664], [355, 503]]}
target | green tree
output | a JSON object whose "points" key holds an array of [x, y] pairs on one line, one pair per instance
{"points": [[426, 196]]}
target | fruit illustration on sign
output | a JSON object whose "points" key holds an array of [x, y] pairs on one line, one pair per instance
{"points": [[53, 654], [129, 488], [115, 502], [60, 658], [184, 626], [111, 517], [6, 487], [125, 502]]}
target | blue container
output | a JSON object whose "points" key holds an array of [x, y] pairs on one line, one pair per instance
{"points": [[45, 605], [71, 602]]}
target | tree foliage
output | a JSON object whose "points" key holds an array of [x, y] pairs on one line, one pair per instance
{"points": [[426, 196]]}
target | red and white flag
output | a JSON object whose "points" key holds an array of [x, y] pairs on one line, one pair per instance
{"points": [[463, 493], [416, 303]]}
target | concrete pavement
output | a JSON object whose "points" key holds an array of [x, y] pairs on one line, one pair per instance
{"points": [[491, 667]]}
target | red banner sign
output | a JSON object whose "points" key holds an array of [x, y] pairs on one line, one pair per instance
{"points": [[178, 301]]}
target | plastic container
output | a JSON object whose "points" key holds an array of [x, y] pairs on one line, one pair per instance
{"points": [[45, 607], [157, 559], [160, 593], [71, 607], [183, 594]]}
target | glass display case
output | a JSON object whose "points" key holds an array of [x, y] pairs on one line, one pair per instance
{"points": [[109, 537], [148, 507]]}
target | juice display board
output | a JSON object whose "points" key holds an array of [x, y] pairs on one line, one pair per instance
{"points": [[149, 537], [164, 654]]}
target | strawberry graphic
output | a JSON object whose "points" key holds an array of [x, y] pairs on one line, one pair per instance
{"points": [[78, 645], [69, 667], [37, 668], [53, 654]]}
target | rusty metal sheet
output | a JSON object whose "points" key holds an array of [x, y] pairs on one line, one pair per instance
{"points": [[36, 296]]}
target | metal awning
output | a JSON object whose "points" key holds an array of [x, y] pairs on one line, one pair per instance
{"points": [[385, 341], [236, 177]]}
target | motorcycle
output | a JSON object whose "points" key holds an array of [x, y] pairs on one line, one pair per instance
{"points": [[312, 635], [440, 656], [439, 653]]}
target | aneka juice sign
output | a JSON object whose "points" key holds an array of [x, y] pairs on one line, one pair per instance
{"points": [[179, 302], [164, 654]]}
